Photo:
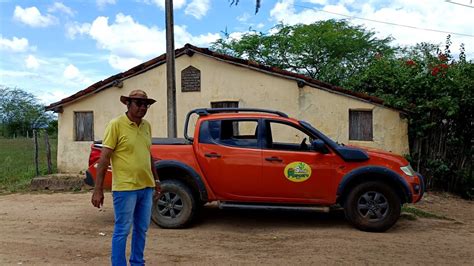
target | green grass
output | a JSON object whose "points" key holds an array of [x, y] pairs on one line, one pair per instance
{"points": [[17, 162], [422, 214]]}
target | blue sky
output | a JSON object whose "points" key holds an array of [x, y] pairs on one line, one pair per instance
{"points": [[55, 48]]}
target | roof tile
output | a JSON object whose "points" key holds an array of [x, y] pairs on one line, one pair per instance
{"points": [[103, 84]]}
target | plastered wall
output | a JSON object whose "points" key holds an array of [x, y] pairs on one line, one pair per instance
{"points": [[221, 81]]}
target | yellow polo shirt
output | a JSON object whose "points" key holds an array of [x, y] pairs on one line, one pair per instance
{"points": [[131, 166]]}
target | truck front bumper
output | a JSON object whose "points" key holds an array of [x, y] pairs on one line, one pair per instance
{"points": [[419, 189]]}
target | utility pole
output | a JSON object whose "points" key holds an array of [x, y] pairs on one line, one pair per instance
{"points": [[170, 70]]}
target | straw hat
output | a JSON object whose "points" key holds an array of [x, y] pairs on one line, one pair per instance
{"points": [[136, 94]]}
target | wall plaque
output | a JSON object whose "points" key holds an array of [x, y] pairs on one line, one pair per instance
{"points": [[190, 79]]}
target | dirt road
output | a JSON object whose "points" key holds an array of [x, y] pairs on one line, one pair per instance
{"points": [[63, 228]]}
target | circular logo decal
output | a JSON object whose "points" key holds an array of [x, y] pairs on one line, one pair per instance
{"points": [[297, 171]]}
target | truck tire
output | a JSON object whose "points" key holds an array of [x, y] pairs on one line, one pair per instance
{"points": [[176, 206], [372, 207]]}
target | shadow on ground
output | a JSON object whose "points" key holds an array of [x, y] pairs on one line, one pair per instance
{"points": [[248, 218]]}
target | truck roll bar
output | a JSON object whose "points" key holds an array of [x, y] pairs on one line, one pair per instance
{"points": [[207, 111]]}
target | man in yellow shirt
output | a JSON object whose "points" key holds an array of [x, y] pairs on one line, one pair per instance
{"points": [[126, 145]]}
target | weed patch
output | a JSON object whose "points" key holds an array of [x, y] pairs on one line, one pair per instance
{"points": [[17, 162], [422, 214]]}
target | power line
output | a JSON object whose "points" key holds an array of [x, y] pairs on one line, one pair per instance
{"points": [[385, 22], [451, 2]]}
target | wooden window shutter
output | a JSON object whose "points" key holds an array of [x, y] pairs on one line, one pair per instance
{"points": [[83, 126], [228, 104], [360, 125]]}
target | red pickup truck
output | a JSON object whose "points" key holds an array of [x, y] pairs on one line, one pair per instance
{"points": [[262, 159]]}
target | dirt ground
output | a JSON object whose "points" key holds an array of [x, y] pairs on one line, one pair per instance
{"points": [[63, 228]]}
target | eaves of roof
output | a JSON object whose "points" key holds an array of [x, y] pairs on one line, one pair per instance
{"points": [[190, 50]]}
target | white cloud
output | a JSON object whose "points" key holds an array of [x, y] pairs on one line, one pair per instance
{"points": [[339, 9], [53, 75], [14, 45], [285, 11], [49, 97], [237, 35], [31, 16], [75, 28], [103, 3], [177, 4], [260, 25], [31, 62], [60, 7], [15, 74], [182, 36], [197, 8], [319, 2], [244, 17], [422, 14], [127, 38], [249, 21], [71, 72], [123, 63], [131, 43]]}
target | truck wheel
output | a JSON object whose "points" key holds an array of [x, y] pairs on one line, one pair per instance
{"points": [[176, 206], [372, 206]]}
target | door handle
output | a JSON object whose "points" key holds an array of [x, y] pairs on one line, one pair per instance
{"points": [[212, 155], [273, 159]]}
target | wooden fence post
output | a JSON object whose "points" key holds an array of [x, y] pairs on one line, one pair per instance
{"points": [[48, 153], [35, 133]]}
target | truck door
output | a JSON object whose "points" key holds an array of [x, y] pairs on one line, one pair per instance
{"points": [[230, 156], [290, 170]]}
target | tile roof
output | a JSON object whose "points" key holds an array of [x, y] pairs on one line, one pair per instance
{"points": [[189, 49]]}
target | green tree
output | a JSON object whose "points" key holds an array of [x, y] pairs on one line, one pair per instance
{"points": [[437, 89], [52, 129], [331, 51], [21, 112]]}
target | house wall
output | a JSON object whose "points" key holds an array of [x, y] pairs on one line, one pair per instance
{"points": [[329, 112], [221, 81]]}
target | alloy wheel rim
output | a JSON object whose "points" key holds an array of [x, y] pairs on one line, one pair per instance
{"points": [[373, 206], [170, 205]]}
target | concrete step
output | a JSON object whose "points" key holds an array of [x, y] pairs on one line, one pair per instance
{"points": [[59, 182]]}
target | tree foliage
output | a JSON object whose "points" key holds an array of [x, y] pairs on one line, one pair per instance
{"points": [[331, 51], [426, 80], [20, 113], [438, 91]]}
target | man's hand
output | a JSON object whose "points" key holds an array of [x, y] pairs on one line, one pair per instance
{"points": [[98, 197], [104, 161], [157, 190], [157, 179]]}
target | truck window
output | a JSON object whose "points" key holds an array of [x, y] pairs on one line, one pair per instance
{"points": [[239, 133], [281, 136]]}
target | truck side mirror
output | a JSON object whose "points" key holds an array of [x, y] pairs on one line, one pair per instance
{"points": [[319, 146]]}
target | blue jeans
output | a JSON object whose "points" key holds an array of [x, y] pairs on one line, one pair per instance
{"points": [[131, 207]]}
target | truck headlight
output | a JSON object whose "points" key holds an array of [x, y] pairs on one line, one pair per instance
{"points": [[408, 170]]}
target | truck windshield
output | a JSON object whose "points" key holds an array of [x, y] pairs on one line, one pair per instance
{"points": [[318, 133]]}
